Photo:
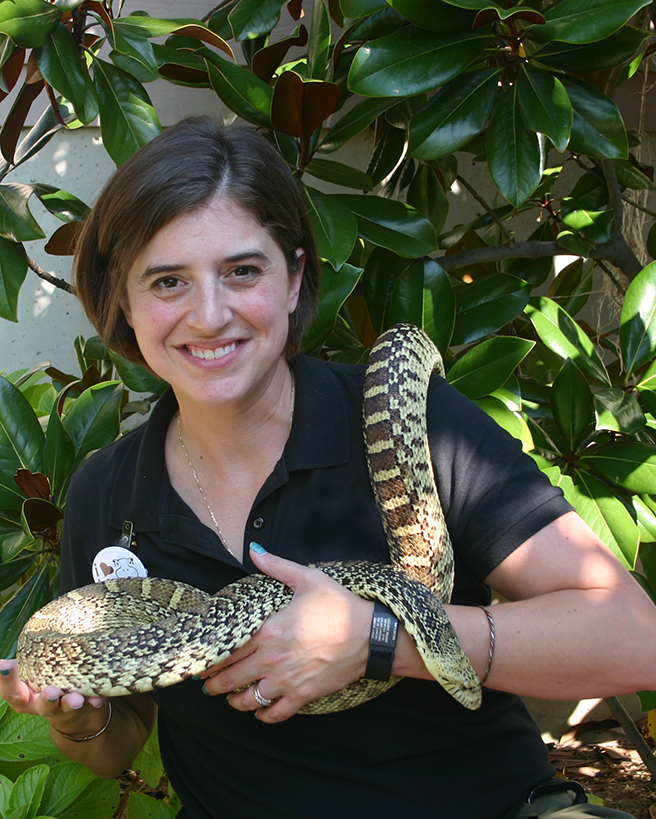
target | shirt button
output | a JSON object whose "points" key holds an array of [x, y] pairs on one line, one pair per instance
{"points": [[258, 523]]}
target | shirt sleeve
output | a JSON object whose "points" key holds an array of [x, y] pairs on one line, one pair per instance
{"points": [[494, 496]]}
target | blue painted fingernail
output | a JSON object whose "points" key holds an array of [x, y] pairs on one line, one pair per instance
{"points": [[205, 691], [259, 550], [256, 715], [196, 677], [5, 671], [52, 699]]}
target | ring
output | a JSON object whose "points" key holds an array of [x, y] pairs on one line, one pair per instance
{"points": [[265, 702]]}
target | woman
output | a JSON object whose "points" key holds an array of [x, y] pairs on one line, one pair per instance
{"points": [[198, 260]]}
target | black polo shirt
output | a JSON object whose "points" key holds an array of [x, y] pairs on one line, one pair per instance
{"points": [[410, 750]]}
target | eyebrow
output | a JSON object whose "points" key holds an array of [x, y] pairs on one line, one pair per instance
{"points": [[159, 269]]}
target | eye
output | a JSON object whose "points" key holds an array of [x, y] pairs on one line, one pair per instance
{"points": [[166, 283], [244, 272]]}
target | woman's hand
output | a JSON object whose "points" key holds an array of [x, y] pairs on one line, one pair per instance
{"points": [[315, 646], [70, 713]]}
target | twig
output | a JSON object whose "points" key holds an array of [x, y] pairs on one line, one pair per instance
{"points": [[482, 202], [633, 734], [639, 206], [611, 276], [628, 261], [62, 284]]}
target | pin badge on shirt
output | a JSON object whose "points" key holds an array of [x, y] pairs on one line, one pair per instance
{"points": [[118, 561]]}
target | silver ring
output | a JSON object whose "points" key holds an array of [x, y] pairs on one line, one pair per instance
{"points": [[265, 702]]}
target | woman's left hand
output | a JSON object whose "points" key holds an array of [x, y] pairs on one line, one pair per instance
{"points": [[315, 646]]}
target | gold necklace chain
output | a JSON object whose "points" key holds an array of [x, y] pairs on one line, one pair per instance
{"points": [[197, 479]]}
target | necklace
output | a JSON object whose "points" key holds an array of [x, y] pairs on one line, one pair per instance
{"points": [[197, 479]]}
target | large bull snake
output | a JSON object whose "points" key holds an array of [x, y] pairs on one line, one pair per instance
{"points": [[136, 634]]}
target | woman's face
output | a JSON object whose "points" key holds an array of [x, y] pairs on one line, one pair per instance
{"points": [[209, 299]]}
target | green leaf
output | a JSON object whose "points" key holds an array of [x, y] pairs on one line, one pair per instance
{"points": [[630, 464], [439, 303], [514, 154], [594, 225], [27, 792], [412, 61], [572, 286], [240, 90], [508, 420], [576, 244], [149, 761], [631, 175], [93, 420], [339, 174], [28, 22], [381, 273], [61, 65], [99, 800], [563, 336], [425, 194], [361, 8], [251, 18], [571, 403], [355, 121], [545, 105], [58, 455], [16, 220], [335, 227], [392, 224], [23, 736], [66, 783], [60, 203], [457, 113], [335, 289], [407, 301], [606, 515], [487, 305], [13, 269], [134, 53], [142, 806], [319, 42], [597, 125], [11, 571], [135, 377], [585, 21], [638, 320], [32, 596], [21, 438], [487, 366], [127, 118], [618, 411], [434, 15], [585, 57]]}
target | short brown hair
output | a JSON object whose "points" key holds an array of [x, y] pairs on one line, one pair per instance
{"points": [[180, 171]]}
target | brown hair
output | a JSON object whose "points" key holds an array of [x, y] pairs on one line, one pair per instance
{"points": [[180, 171]]}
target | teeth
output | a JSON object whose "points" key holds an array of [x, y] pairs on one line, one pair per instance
{"points": [[210, 355]]}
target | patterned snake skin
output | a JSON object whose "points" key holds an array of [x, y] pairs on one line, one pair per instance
{"points": [[136, 634]]}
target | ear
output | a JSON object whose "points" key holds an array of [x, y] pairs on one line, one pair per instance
{"points": [[295, 280], [124, 303]]}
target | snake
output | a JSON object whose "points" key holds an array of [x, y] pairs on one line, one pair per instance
{"points": [[134, 635]]}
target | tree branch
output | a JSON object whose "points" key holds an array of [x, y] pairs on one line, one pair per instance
{"points": [[62, 284], [626, 258], [639, 206], [485, 205]]}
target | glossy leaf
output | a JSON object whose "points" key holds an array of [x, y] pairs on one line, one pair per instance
{"points": [[142, 806], [298, 107], [66, 784], [630, 464], [439, 305], [16, 221], [572, 286], [412, 61], [606, 515], [24, 736], [563, 336], [457, 113], [134, 53], [354, 121], [63, 205], [545, 105], [339, 174], [335, 227], [638, 320], [487, 305], [32, 596], [508, 420], [13, 269], [381, 273], [185, 27], [361, 8], [392, 224], [251, 18], [434, 15], [514, 155], [571, 403], [241, 91], [135, 377], [61, 66], [11, 571], [127, 120], [586, 57], [585, 21], [58, 455], [28, 22], [487, 366], [21, 440], [319, 42], [597, 125], [93, 420], [335, 289], [425, 194], [618, 411], [407, 301]]}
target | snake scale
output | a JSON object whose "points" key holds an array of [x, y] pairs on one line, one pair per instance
{"points": [[137, 634]]}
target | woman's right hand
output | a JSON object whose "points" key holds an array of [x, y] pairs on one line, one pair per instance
{"points": [[70, 713]]}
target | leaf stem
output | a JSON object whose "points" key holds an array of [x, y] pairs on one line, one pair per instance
{"points": [[62, 284]]}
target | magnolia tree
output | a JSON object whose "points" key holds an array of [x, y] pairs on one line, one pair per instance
{"points": [[523, 89]]}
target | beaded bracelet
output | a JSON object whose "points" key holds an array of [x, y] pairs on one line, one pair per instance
{"points": [[490, 657], [73, 738]]}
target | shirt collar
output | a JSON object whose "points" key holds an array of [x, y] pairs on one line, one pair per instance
{"points": [[320, 437]]}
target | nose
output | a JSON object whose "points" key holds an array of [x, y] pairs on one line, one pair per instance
{"points": [[209, 308]]}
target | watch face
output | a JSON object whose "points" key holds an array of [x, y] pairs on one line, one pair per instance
{"points": [[115, 562]]}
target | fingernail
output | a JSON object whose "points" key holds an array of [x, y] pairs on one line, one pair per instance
{"points": [[205, 691], [77, 707], [5, 671], [52, 699], [259, 550], [256, 715], [196, 677]]}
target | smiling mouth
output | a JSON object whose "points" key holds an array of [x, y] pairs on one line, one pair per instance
{"points": [[210, 355]]}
